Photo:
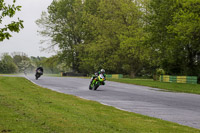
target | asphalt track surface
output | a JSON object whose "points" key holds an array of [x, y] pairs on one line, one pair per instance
{"points": [[180, 108]]}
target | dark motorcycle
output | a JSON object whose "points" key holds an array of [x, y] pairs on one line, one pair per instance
{"points": [[38, 74]]}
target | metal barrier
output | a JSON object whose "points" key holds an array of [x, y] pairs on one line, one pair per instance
{"points": [[114, 76], [179, 79]]}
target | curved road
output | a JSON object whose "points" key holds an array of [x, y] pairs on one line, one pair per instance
{"points": [[181, 108]]}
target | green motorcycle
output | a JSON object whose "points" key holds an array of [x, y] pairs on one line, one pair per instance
{"points": [[96, 82]]}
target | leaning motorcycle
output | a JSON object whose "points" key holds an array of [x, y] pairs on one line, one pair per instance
{"points": [[38, 74], [96, 82]]}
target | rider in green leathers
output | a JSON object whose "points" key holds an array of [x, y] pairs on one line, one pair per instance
{"points": [[102, 71]]}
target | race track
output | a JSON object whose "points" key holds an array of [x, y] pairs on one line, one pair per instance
{"points": [[181, 108]]}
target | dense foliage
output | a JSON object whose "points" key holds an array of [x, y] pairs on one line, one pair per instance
{"points": [[21, 63], [14, 26], [125, 36], [174, 27], [7, 64]]}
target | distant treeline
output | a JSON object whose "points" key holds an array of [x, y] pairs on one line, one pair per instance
{"points": [[20, 63], [125, 36]]}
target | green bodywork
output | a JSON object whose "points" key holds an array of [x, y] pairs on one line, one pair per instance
{"points": [[97, 82]]}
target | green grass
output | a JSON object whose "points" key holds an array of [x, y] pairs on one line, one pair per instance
{"points": [[52, 75], [175, 87], [1, 74], [25, 107]]}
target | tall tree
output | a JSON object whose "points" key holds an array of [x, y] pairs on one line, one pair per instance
{"points": [[64, 21], [185, 27], [112, 23], [173, 26], [97, 34], [159, 17]]}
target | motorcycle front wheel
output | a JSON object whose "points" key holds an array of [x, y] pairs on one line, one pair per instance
{"points": [[37, 76], [90, 88]]}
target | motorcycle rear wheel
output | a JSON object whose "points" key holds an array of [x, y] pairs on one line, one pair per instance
{"points": [[95, 86]]}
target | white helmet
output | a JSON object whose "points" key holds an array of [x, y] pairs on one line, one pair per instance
{"points": [[102, 71]]}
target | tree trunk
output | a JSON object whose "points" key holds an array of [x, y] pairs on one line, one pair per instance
{"points": [[132, 74]]}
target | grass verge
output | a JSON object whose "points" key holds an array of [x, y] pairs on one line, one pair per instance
{"points": [[175, 87], [25, 107], [53, 75]]}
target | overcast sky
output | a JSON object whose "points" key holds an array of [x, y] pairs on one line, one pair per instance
{"points": [[27, 40]]}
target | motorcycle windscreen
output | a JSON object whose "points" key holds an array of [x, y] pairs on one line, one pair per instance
{"points": [[101, 76]]}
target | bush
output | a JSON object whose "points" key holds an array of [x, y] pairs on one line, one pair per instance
{"points": [[159, 72]]}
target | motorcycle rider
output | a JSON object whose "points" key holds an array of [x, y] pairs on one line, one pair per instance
{"points": [[39, 68], [102, 71], [37, 72]]}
